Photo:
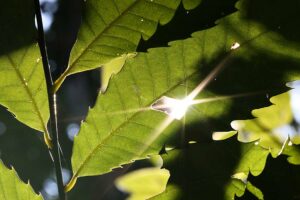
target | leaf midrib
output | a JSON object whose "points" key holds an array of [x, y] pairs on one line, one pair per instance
{"points": [[126, 121], [99, 35], [25, 85]]}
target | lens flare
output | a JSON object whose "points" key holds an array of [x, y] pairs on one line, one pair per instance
{"points": [[175, 108]]}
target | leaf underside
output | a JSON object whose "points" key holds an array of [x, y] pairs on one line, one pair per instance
{"points": [[118, 128], [111, 28], [11, 187], [22, 81]]}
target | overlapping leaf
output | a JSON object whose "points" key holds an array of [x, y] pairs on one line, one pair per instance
{"points": [[218, 170], [118, 130], [22, 81], [11, 187], [154, 181], [272, 126], [111, 28]]}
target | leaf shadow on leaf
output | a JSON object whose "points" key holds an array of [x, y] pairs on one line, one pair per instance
{"points": [[186, 22], [276, 16], [260, 71]]}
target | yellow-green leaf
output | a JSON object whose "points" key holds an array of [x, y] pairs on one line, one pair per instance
{"points": [[111, 28], [154, 181], [22, 81], [12, 188], [270, 127], [122, 127]]}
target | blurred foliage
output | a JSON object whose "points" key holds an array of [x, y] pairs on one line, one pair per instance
{"points": [[272, 127], [144, 183]]}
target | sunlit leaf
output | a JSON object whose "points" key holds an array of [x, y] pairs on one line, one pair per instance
{"points": [[171, 192], [154, 181], [255, 191], [122, 127], [111, 28], [294, 154], [272, 126], [112, 68], [22, 81], [11, 187]]}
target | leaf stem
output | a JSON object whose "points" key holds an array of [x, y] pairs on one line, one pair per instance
{"points": [[52, 102]]}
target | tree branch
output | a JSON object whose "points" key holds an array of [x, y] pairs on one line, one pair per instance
{"points": [[52, 102]]}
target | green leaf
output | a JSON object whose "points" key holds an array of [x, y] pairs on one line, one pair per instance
{"points": [[294, 154], [11, 187], [217, 170], [22, 83], [154, 182], [270, 126], [111, 28], [171, 192], [122, 128], [255, 191], [112, 68], [191, 4]]}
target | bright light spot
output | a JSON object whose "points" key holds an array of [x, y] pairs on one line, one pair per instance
{"points": [[241, 176], [2, 128], [72, 130], [256, 143], [235, 46], [50, 188], [223, 135], [285, 131], [237, 125], [192, 142], [290, 143], [49, 7], [295, 99], [169, 148], [175, 108], [66, 175], [47, 21]]}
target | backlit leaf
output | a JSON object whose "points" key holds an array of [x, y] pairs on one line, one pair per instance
{"points": [[272, 126], [154, 181], [22, 81], [11, 187], [122, 127], [111, 28]]}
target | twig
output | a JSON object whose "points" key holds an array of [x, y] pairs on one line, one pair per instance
{"points": [[52, 102]]}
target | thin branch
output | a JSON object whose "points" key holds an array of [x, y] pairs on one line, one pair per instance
{"points": [[52, 102]]}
